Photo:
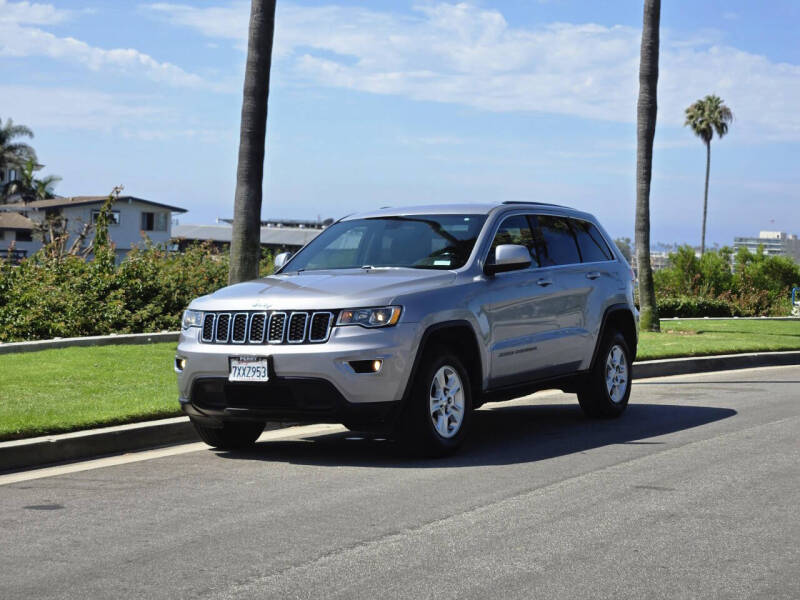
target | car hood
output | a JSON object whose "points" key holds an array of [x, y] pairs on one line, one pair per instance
{"points": [[323, 290]]}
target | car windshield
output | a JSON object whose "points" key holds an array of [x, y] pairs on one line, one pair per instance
{"points": [[418, 241]]}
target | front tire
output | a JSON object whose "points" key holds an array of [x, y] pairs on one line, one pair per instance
{"points": [[438, 413], [231, 436], [607, 389]]}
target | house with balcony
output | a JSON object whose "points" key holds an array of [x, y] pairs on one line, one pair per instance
{"points": [[130, 218]]}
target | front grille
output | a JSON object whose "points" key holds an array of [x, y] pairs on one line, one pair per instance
{"points": [[267, 327], [297, 328]]}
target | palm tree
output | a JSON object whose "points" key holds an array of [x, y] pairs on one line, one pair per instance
{"points": [[28, 188], [14, 154], [705, 117], [646, 111], [246, 235], [45, 187]]}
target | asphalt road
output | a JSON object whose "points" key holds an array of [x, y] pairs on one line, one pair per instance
{"points": [[694, 492]]}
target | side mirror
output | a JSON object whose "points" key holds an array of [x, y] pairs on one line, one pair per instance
{"points": [[509, 257], [281, 260]]}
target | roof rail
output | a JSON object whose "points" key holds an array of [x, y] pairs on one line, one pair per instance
{"points": [[534, 203]]}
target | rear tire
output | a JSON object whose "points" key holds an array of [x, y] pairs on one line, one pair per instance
{"points": [[438, 413], [606, 391], [231, 436]]}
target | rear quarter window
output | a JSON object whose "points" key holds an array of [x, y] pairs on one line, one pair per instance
{"points": [[592, 245]]}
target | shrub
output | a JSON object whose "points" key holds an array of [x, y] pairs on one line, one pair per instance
{"points": [[64, 296], [758, 285], [693, 306]]}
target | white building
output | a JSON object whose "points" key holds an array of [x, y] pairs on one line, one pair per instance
{"points": [[130, 218], [775, 243]]}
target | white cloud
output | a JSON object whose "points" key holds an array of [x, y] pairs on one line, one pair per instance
{"points": [[223, 22], [19, 39], [31, 13], [73, 108], [469, 55], [128, 116]]}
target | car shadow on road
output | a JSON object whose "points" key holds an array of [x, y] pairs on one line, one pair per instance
{"points": [[500, 435]]}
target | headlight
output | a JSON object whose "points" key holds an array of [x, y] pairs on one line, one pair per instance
{"points": [[192, 318], [370, 317]]}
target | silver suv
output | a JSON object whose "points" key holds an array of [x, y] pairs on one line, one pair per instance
{"points": [[403, 321]]}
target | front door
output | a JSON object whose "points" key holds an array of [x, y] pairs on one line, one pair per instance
{"points": [[521, 310]]}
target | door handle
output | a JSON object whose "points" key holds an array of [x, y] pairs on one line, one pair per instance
{"points": [[593, 275], [544, 282]]}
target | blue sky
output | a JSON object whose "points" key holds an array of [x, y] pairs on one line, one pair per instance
{"points": [[396, 103]]}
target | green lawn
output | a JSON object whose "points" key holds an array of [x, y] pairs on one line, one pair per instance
{"points": [[61, 390], [699, 338], [54, 391]]}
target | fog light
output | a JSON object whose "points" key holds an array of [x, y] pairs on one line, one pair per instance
{"points": [[366, 366], [180, 363]]}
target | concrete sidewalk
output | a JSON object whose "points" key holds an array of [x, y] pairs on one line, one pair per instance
{"points": [[34, 452]]}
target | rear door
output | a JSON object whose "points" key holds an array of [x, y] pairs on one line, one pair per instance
{"points": [[560, 262], [595, 279]]}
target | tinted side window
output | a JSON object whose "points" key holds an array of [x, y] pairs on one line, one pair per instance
{"points": [[514, 230], [558, 246], [593, 247]]}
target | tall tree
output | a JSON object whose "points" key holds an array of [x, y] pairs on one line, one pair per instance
{"points": [[646, 111], [245, 242], [705, 117]]}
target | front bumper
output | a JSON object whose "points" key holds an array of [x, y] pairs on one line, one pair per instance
{"points": [[308, 382]]}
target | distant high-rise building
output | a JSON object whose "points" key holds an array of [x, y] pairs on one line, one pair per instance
{"points": [[775, 243]]}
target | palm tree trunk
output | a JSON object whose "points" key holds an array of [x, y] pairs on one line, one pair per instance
{"points": [[646, 111], [705, 199], [246, 235]]}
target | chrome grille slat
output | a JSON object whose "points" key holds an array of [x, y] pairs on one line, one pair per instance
{"points": [[222, 328], [258, 327], [209, 323], [239, 328], [298, 325], [277, 328], [320, 327]]}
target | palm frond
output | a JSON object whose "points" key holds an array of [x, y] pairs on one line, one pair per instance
{"points": [[708, 115]]}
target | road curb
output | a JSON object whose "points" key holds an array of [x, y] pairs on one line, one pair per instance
{"points": [[721, 362], [35, 452], [43, 450], [92, 443], [94, 340]]}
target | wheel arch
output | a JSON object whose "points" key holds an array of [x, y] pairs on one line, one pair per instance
{"points": [[619, 317], [458, 335]]}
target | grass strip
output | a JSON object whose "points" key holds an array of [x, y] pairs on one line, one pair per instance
{"points": [[707, 337], [55, 391]]}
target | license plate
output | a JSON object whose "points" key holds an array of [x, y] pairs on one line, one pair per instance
{"points": [[248, 368]]}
